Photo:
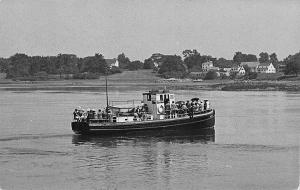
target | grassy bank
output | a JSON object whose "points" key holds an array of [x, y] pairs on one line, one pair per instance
{"points": [[262, 86], [145, 80]]}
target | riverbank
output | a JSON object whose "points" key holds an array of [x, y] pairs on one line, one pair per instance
{"points": [[145, 80], [261, 86], [99, 85]]}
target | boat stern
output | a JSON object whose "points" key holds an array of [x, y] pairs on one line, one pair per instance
{"points": [[80, 127]]}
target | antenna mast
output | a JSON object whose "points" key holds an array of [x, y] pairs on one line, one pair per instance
{"points": [[106, 89]]}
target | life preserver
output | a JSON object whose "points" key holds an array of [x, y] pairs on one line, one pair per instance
{"points": [[161, 109]]}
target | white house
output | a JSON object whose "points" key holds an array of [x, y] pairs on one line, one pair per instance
{"points": [[225, 71], [112, 62], [266, 68], [207, 66], [238, 69], [252, 65]]}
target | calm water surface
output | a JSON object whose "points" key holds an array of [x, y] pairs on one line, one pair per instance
{"points": [[256, 145]]}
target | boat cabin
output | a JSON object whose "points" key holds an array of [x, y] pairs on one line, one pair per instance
{"points": [[156, 100]]}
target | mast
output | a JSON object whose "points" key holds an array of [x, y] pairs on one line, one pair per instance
{"points": [[106, 91]]}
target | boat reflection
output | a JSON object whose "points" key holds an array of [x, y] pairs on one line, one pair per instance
{"points": [[206, 136]]}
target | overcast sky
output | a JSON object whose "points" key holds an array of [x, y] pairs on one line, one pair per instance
{"points": [[142, 27]]}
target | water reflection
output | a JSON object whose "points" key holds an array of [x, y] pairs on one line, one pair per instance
{"points": [[204, 137], [141, 161]]}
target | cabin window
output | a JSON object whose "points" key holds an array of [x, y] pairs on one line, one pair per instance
{"points": [[148, 97], [161, 97]]}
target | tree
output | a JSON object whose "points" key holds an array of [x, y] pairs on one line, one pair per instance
{"points": [[247, 69], [273, 59], [210, 75], [172, 65], [123, 61], [292, 64], [223, 63], [238, 57], [148, 64], [4, 65], [250, 58], [192, 58], [263, 57], [135, 65], [241, 57], [20, 66], [94, 64]]}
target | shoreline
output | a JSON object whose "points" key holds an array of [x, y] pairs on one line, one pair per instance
{"points": [[99, 85]]}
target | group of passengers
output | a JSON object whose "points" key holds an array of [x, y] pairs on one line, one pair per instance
{"points": [[190, 107], [81, 115], [171, 110]]}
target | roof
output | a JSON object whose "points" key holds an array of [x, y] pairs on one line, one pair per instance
{"points": [[250, 64], [157, 92], [208, 62], [110, 61], [264, 64], [125, 106]]}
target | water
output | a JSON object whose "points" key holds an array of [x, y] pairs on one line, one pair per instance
{"points": [[255, 145]]}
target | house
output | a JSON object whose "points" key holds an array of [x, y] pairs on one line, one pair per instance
{"points": [[207, 66], [197, 74], [252, 65], [266, 68], [112, 62], [225, 72], [239, 70]]}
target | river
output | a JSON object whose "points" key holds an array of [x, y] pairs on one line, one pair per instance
{"points": [[255, 146]]}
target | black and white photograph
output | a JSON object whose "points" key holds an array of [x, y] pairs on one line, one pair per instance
{"points": [[157, 94]]}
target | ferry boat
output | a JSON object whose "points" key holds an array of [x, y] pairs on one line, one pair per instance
{"points": [[157, 112]]}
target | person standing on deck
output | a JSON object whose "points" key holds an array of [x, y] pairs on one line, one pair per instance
{"points": [[168, 109], [75, 114], [191, 110], [173, 110], [184, 110]]}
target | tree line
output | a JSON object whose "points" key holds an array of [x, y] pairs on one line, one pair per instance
{"points": [[21, 65]]}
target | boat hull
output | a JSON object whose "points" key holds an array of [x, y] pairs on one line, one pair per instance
{"points": [[184, 125]]}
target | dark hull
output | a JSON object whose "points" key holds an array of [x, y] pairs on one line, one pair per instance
{"points": [[198, 124]]}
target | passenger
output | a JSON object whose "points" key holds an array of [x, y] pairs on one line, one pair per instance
{"points": [[75, 114], [145, 108], [184, 109], [173, 110], [188, 104], [99, 114], [104, 115], [191, 112], [139, 111], [168, 109], [200, 106], [207, 105], [196, 108]]}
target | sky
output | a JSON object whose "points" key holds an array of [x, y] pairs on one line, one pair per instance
{"points": [[140, 28]]}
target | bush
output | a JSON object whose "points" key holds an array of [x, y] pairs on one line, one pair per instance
{"points": [[252, 75], [210, 75], [114, 70], [86, 76]]}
